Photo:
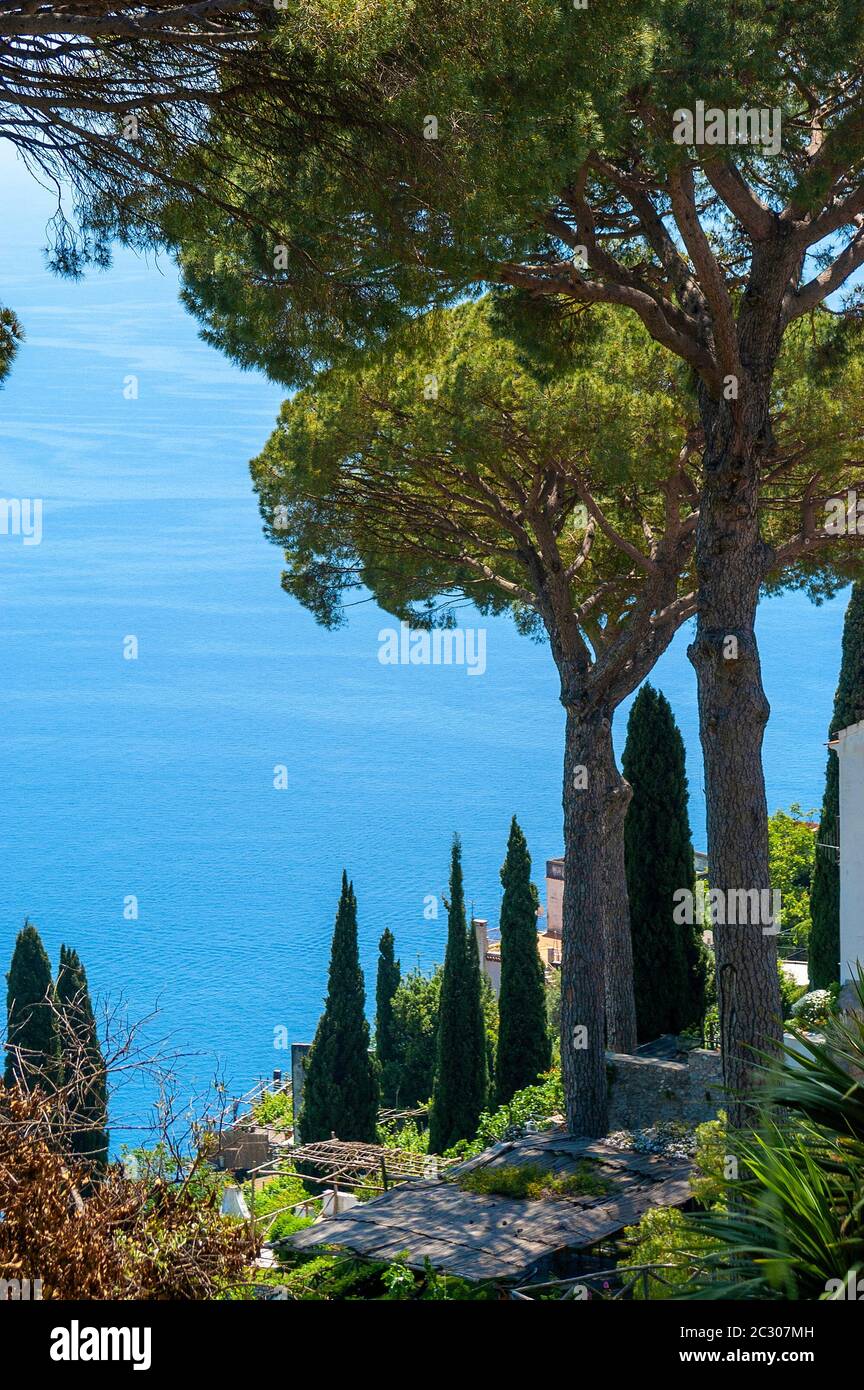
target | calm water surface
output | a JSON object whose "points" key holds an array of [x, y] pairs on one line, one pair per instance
{"points": [[154, 777]]}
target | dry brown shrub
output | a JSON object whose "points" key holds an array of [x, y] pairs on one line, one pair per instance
{"points": [[108, 1237]]}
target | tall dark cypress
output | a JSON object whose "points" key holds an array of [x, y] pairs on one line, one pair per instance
{"points": [[669, 963], [387, 982], [30, 1022], [824, 947], [524, 1045], [461, 1078], [82, 1060], [340, 1092]]}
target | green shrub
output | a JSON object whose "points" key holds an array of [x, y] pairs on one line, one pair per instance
{"points": [[408, 1136], [336, 1277], [792, 859], [333, 1277], [813, 1010], [553, 1007], [411, 1073], [529, 1110], [708, 1181], [664, 1237], [274, 1196], [790, 991], [711, 1027], [162, 1165], [275, 1109]]}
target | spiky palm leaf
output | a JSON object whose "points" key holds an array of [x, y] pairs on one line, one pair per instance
{"points": [[797, 1215]]}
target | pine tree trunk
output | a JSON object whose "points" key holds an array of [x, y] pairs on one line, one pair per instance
{"points": [[597, 964], [733, 712]]}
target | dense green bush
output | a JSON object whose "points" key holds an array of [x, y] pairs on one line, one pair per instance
{"points": [[276, 1109], [813, 1010], [337, 1277], [415, 1037], [553, 1015], [409, 1136], [664, 1237], [274, 1196], [530, 1109], [790, 991], [709, 1180], [791, 859]]}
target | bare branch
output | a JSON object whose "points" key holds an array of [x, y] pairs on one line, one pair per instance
{"points": [[811, 295], [683, 195], [728, 183]]}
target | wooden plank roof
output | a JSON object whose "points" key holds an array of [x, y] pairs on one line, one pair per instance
{"points": [[481, 1236]]}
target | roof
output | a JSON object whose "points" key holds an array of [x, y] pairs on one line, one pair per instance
{"points": [[334, 1161], [850, 730], [548, 941], [479, 1236]]}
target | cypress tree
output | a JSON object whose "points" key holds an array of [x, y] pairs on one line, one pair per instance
{"points": [[669, 965], [824, 948], [461, 1079], [30, 1022], [82, 1056], [524, 1046], [340, 1092], [387, 982]]}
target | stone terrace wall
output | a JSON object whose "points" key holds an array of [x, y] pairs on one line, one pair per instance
{"points": [[643, 1091]]}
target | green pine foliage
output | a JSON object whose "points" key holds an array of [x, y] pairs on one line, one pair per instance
{"points": [[11, 334], [461, 1079], [387, 982], [524, 1047], [824, 953], [668, 959], [82, 1058], [340, 1092], [30, 1022]]}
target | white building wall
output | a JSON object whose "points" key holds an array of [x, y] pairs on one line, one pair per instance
{"points": [[849, 747], [554, 896]]}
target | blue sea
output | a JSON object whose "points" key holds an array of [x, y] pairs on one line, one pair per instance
{"points": [[153, 779]]}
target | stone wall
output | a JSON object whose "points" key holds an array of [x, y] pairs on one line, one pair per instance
{"points": [[644, 1092]]}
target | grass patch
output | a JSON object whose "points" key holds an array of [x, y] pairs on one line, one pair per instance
{"points": [[533, 1181]]}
